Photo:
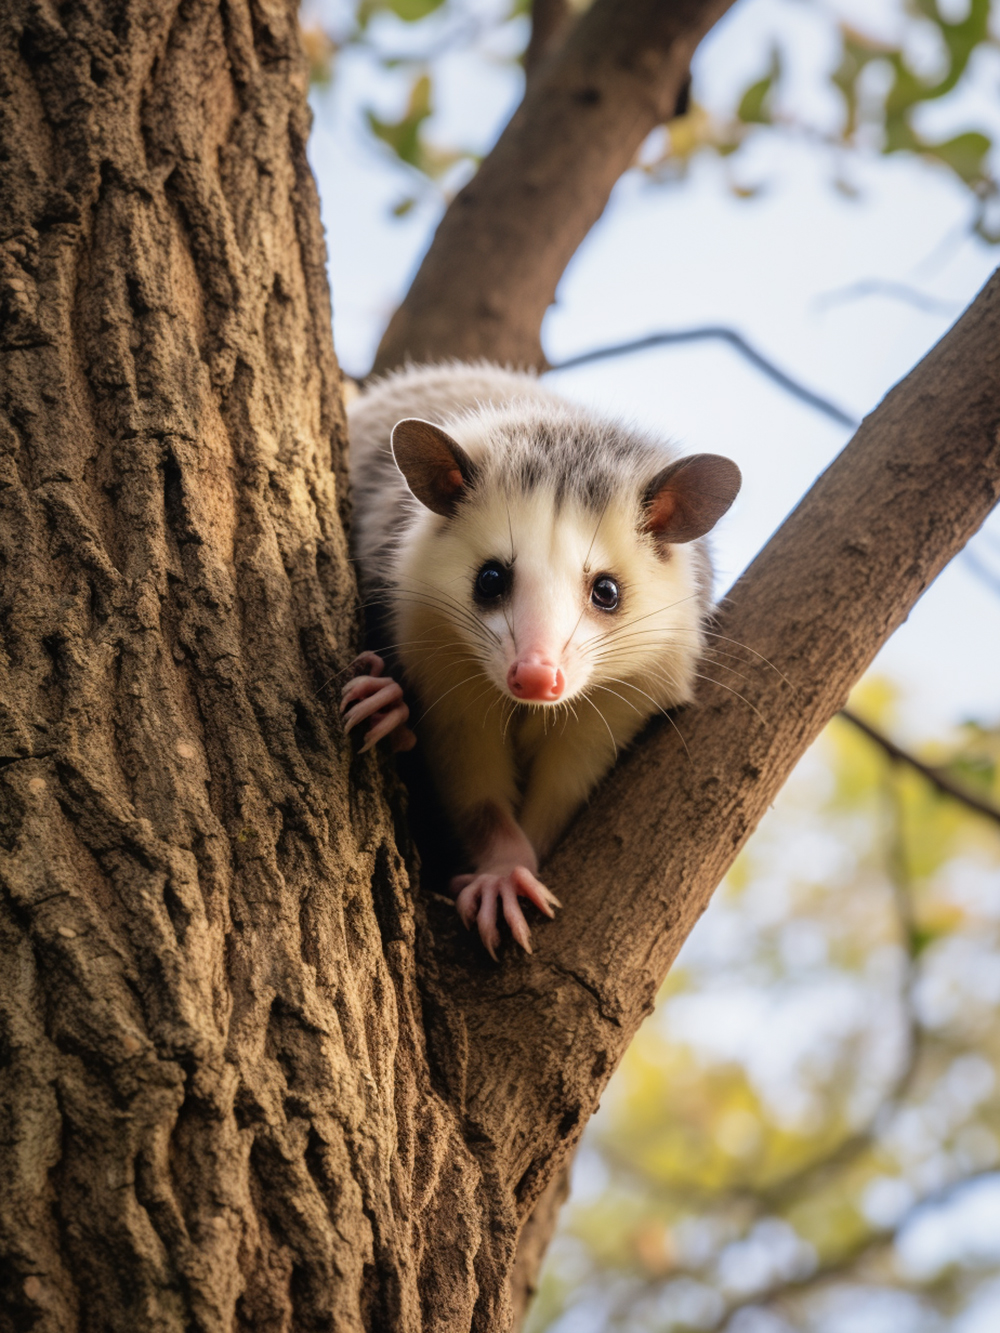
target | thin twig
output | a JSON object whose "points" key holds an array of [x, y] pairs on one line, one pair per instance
{"points": [[933, 775], [895, 291], [714, 333]]}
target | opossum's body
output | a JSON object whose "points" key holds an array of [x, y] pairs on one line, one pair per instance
{"points": [[544, 597]]}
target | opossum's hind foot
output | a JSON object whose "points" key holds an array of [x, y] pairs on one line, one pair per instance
{"points": [[477, 897], [378, 698]]}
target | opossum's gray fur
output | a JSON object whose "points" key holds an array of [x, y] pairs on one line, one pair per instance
{"points": [[518, 433]]}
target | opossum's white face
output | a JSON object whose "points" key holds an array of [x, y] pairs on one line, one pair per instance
{"points": [[554, 599], [544, 594]]}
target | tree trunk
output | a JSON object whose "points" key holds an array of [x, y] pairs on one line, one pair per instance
{"points": [[250, 1079], [217, 1112]]}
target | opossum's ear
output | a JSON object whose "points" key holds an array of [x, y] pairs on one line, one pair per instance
{"points": [[688, 498], [436, 469]]}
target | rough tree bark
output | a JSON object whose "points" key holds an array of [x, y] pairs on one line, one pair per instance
{"points": [[217, 1111], [250, 1078]]}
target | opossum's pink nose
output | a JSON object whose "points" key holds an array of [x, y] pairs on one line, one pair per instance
{"points": [[534, 678]]}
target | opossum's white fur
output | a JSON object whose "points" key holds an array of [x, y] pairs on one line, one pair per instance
{"points": [[559, 492]]}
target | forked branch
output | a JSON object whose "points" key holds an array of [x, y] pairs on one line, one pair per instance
{"points": [[492, 268]]}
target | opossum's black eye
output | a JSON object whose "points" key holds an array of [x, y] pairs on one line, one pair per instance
{"points": [[604, 594], [492, 581]]}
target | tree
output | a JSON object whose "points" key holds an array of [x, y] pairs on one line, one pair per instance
{"points": [[253, 1078]]}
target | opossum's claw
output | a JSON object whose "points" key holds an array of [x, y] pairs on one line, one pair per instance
{"points": [[519, 928], [535, 891], [487, 917], [368, 695], [384, 723], [381, 700], [477, 901], [468, 890], [365, 687], [367, 663]]}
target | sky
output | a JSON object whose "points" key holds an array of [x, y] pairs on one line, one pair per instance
{"points": [[779, 268]]}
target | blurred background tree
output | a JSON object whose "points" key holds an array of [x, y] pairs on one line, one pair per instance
{"points": [[806, 1134]]}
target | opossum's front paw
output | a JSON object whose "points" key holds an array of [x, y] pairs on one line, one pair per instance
{"points": [[477, 900], [378, 698]]}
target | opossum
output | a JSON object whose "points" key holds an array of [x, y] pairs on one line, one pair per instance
{"points": [[544, 585]]}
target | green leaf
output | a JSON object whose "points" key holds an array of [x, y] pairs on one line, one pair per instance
{"points": [[964, 154], [754, 107], [403, 135], [412, 11]]}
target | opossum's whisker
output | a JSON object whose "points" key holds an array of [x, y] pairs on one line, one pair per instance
{"points": [[609, 655], [455, 609], [627, 624], [377, 651], [433, 650], [434, 705], [594, 706], [470, 630], [438, 644], [659, 670], [586, 570], [600, 520], [507, 722], [498, 700], [659, 708], [630, 686], [444, 669], [574, 629], [749, 705], [640, 639], [510, 627], [711, 634], [627, 702], [471, 703], [437, 590], [713, 656], [454, 604], [622, 650]]}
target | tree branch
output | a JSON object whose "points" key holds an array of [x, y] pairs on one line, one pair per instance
{"points": [[935, 776], [492, 268], [550, 21], [713, 332], [526, 1048]]}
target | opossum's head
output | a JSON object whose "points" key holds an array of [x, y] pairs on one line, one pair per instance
{"points": [[556, 555]]}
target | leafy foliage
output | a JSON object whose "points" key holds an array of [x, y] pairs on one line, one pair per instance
{"points": [[883, 90], [404, 43], [882, 98]]}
